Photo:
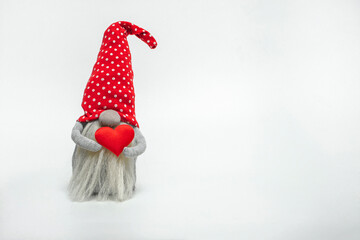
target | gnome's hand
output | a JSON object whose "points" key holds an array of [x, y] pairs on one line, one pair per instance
{"points": [[139, 148], [83, 141]]}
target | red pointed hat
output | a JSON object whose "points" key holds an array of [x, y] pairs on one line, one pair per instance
{"points": [[111, 82]]}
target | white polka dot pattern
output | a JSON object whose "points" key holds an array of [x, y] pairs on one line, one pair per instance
{"points": [[111, 82]]}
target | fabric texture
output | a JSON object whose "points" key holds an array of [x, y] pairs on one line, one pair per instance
{"points": [[83, 141], [115, 139], [111, 82], [139, 145]]}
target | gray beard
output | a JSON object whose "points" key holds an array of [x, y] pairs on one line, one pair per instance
{"points": [[101, 175]]}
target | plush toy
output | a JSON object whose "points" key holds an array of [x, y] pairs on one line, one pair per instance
{"points": [[108, 139]]}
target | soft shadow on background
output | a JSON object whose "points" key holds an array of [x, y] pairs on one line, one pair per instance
{"points": [[250, 110]]}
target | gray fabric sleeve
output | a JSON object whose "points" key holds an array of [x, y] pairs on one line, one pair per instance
{"points": [[83, 141], [138, 148]]}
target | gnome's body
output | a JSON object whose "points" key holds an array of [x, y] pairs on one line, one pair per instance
{"points": [[99, 172]]}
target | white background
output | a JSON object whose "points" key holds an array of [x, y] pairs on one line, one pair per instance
{"points": [[250, 110]]}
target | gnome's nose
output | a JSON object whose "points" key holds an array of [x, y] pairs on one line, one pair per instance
{"points": [[109, 118]]}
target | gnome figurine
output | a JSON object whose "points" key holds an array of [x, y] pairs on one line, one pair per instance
{"points": [[108, 139]]}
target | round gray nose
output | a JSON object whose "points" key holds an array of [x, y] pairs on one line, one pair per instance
{"points": [[109, 118]]}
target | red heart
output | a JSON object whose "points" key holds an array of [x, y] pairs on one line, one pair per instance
{"points": [[115, 139]]}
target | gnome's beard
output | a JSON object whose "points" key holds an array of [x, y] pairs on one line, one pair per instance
{"points": [[101, 175]]}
